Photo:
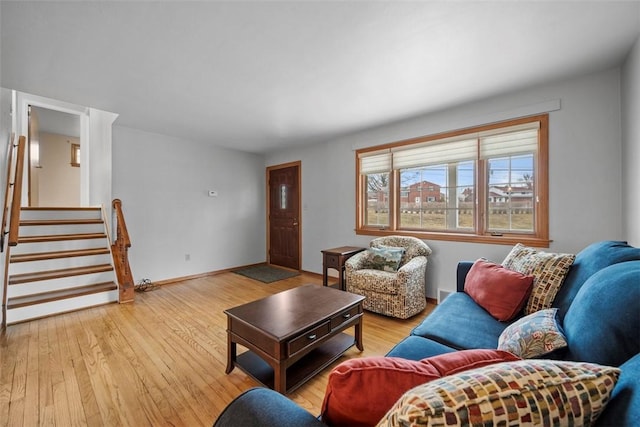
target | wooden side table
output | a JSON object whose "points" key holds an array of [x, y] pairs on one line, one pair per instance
{"points": [[335, 258]]}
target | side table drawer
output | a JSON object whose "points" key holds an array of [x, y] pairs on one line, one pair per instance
{"points": [[308, 338], [345, 316], [333, 261]]}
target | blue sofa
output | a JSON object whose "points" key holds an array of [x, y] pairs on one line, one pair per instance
{"points": [[598, 307]]}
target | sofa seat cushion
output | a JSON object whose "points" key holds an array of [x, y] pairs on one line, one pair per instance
{"points": [[459, 322], [414, 347], [526, 392], [603, 323], [588, 261], [360, 391]]}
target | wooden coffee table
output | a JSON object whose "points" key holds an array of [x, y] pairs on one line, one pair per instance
{"points": [[293, 335]]}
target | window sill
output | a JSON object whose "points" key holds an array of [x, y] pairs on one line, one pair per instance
{"points": [[459, 237]]}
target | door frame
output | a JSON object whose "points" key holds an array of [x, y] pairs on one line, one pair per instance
{"points": [[25, 100], [297, 163], [96, 140]]}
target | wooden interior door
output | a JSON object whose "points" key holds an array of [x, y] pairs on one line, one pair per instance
{"points": [[283, 215]]}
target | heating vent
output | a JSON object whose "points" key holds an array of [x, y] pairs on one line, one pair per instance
{"points": [[442, 294]]}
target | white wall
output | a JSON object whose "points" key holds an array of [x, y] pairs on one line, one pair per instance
{"points": [[630, 89], [163, 183], [58, 181], [5, 132], [585, 177]]}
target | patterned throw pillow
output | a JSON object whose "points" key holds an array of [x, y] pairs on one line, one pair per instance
{"points": [[527, 392], [548, 271], [385, 258], [533, 335]]}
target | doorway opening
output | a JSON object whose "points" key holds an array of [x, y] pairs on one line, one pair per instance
{"points": [[54, 158]]}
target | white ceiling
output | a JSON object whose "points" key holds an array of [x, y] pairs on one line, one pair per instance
{"points": [[259, 76]]}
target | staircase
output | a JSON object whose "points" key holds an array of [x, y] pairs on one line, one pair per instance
{"points": [[62, 262]]}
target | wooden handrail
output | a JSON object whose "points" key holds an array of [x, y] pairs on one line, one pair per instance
{"points": [[8, 187], [122, 232], [15, 165], [119, 250], [14, 219]]}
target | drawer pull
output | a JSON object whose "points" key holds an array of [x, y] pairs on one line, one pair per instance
{"points": [[312, 337], [346, 316]]}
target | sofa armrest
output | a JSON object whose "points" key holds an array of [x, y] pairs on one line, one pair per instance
{"points": [[263, 407], [461, 274]]}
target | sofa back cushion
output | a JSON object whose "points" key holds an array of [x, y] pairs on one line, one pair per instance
{"points": [[624, 408], [588, 261], [603, 323]]}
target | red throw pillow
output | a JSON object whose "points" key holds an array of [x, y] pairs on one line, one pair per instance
{"points": [[361, 391], [500, 291]]}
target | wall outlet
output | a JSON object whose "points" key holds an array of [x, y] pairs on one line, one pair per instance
{"points": [[187, 257]]}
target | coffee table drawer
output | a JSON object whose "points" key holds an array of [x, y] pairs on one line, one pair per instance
{"points": [[308, 338], [345, 316]]}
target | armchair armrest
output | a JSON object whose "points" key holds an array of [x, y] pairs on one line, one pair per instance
{"points": [[263, 407], [356, 262], [461, 274], [413, 265], [411, 275]]}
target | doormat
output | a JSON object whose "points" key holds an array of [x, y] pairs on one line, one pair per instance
{"points": [[266, 273]]}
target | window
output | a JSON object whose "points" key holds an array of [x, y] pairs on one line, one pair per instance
{"points": [[75, 155], [485, 184]]}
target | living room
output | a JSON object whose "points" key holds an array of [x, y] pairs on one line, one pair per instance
{"points": [[162, 179]]}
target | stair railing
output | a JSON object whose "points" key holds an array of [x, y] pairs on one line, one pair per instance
{"points": [[11, 208], [13, 191], [119, 250], [7, 191], [16, 197]]}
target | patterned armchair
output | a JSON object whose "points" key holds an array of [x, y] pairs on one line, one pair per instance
{"points": [[398, 294]]}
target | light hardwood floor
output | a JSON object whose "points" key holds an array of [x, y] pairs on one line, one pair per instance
{"points": [[159, 361]]}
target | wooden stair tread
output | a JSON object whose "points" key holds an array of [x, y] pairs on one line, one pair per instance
{"points": [[41, 256], [57, 274], [79, 221], [60, 208], [59, 237], [41, 298]]}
